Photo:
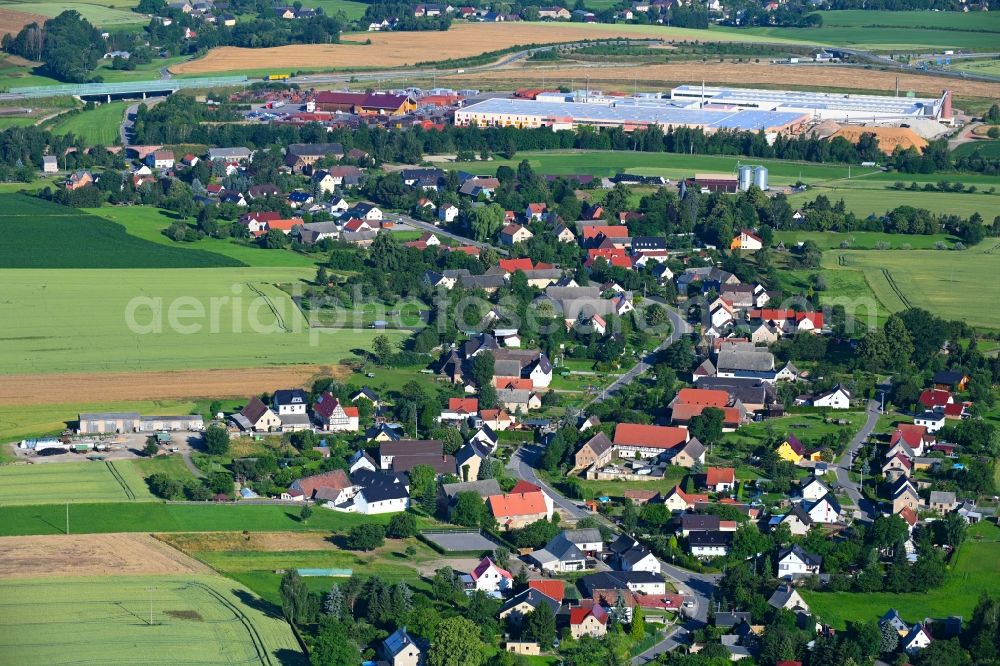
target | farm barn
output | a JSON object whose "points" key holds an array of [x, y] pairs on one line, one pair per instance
{"points": [[119, 422]]}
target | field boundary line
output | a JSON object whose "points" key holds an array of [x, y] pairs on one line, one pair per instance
{"points": [[129, 494]]}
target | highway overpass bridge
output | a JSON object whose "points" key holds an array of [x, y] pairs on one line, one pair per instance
{"points": [[105, 92]]}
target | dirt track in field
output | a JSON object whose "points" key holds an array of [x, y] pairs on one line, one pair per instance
{"points": [[173, 385], [663, 75], [12, 20], [397, 49], [92, 555]]}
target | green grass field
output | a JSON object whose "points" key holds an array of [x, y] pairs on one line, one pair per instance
{"points": [[862, 240], [45, 483], [948, 283], [668, 165], [97, 127], [159, 517], [196, 619], [873, 197], [17, 75], [161, 319], [988, 149], [73, 239], [976, 569], [147, 223], [888, 30], [989, 67], [352, 10], [106, 14]]}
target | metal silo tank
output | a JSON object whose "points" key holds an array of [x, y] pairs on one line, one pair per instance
{"points": [[760, 177], [745, 177]]}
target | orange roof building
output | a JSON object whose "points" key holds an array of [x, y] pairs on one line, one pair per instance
{"points": [[554, 589], [515, 510], [648, 440]]}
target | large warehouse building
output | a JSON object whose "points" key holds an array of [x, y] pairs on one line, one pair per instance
{"points": [[819, 105], [625, 112]]}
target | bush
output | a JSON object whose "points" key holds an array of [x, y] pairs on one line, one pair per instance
{"points": [[402, 526]]}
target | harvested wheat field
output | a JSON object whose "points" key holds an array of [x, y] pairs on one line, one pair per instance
{"points": [[271, 542], [397, 49], [92, 555], [12, 20], [176, 385], [744, 74]]}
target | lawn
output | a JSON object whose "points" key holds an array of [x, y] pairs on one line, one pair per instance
{"points": [[160, 517], [87, 481], [74, 239], [148, 223], [808, 427], [162, 319], [18, 423], [976, 569], [890, 30], [98, 126], [948, 283], [614, 488], [196, 619]]}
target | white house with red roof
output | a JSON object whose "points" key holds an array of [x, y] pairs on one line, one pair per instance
{"points": [[720, 479], [535, 211], [459, 409], [357, 224], [489, 578], [334, 416], [913, 436]]}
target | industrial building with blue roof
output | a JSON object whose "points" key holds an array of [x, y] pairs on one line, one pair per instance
{"points": [[623, 113]]}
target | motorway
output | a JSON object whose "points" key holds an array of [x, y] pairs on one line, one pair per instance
{"points": [[852, 488]]}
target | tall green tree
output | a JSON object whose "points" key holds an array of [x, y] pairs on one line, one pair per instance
{"points": [[540, 625], [456, 643], [216, 440], [297, 603]]}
